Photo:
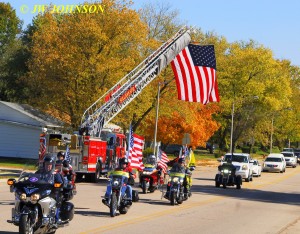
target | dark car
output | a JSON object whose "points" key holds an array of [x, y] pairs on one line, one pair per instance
{"points": [[297, 154], [173, 149]]}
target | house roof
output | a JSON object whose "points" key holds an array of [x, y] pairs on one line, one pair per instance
{"points": [[38, 117]]}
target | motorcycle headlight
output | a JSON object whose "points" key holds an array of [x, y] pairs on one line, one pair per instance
{"points": [[175, 179], [244, 167], [226, 171], [115, 183], [23, 196], [35, 197], [181, 180]]}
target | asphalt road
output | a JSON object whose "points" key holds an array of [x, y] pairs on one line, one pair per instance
{"points": [[269, 204]]}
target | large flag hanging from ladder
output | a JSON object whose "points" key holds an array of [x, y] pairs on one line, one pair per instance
{"points": [[195, 73]]}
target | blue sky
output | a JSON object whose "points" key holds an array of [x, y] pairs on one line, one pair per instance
{"points": [[274, 24]]}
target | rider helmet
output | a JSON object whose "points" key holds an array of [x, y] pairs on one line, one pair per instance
{"points": [[123, 162], [152, 159], [60, 154], [49, 163]]}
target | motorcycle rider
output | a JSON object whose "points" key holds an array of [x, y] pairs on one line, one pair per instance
{"points": [[152, 160], [123, 166], [180, 167], [61, 156], [48, 173], [48, 169], [66, 168], [228, 164], [67, 171]]}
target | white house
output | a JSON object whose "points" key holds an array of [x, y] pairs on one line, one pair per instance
{"points": [[20, 129]]}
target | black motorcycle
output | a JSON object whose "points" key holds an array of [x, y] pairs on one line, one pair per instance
{"points": [[37, 198], [226, 177], [116, 198], [176, 193]]}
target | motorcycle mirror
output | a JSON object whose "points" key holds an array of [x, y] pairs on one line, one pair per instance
{"points": [[192, 168], [11, 182]]}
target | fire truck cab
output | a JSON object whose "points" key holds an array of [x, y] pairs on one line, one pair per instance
{"points": [[98, 155]]}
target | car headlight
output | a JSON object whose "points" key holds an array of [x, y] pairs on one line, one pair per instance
{"points": [[244, 167], [35, 197], [23, 196]]}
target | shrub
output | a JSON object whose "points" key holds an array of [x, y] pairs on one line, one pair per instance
{"points": [[147, 152]]}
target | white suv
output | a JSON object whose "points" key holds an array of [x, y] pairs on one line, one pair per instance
{"points": [[290, 158], [242, 164]]}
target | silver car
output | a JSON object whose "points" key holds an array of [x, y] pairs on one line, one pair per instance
{"points": [[290, 159], [274, 163]]}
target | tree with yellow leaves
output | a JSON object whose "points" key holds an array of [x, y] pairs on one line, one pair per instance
{"points": [[78, 57]]}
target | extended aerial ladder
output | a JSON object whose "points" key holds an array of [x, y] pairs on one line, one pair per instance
{"points": [[130, 86]]}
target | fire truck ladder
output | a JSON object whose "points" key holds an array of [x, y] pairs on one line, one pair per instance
{"points": [[129, 87]]}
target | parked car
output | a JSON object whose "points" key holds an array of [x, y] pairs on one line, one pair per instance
{"points": [[242, 164], [290, 159], [297, 154], [288, 150], [256, 167], [173, 149], [274, 163]]}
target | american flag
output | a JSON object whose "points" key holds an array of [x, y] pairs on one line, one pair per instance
{"points": [[68, 156], [42, 149], [163, 160], [195, 73], [134, 153]]}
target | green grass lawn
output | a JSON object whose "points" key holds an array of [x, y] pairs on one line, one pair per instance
{"points": [[28, 164]]}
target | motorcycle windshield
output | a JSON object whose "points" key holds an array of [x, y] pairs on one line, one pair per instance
{"points": [[36, 178], [119, 173], [149, 169], [177, 174], [228, 167], [149, 166]]}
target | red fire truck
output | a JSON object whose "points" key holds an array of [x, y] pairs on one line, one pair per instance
{"points": [[98, 155], [99, 147]]}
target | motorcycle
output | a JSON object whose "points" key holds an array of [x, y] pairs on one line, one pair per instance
{"points": [[69, 188], [150, 179], [176, 193], [36, 209], [226, 176], [116, 198]]}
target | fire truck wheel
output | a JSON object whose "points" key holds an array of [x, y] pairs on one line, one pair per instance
{"points": [[92, 178], [78, 178]]}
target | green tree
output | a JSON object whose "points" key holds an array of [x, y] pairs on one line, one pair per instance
{"points": [[249, 70], [11, 51]]}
